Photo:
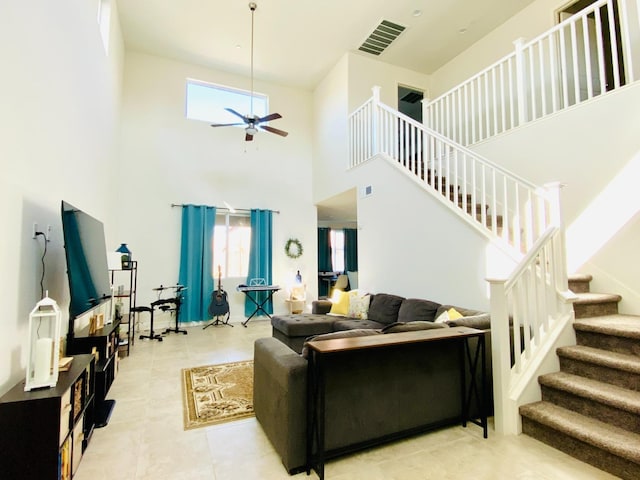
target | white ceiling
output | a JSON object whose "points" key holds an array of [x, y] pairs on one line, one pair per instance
{"points": [[298, 41]]}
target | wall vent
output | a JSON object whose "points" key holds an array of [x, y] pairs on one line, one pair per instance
{"points": [[383, 35]]}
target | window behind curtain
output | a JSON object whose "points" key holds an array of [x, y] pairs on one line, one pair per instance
{"points": [[337, 250], [231, 244]]}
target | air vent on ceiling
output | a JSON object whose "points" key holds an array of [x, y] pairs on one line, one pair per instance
{"points": [[381, 37]]}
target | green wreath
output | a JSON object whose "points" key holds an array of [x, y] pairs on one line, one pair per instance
{"points": [[293, 248]]}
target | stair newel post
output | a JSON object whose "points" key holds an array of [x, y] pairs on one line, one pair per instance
{"points": [[521, 82], [559, 250], [375, 120], [506, 414]]}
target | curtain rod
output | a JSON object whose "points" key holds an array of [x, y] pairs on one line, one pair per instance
{"points": [[223, 208]]}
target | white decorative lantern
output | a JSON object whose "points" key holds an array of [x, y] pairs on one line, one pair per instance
{"points": [[44, 345]]}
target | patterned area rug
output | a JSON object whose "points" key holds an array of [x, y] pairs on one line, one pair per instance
{"points": [[217, 393]]}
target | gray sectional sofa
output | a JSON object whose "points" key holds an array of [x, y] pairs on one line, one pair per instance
{"points": [[372, 395], [386, 312]]}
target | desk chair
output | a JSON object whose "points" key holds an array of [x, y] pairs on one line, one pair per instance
{"points": [[342, 283]]}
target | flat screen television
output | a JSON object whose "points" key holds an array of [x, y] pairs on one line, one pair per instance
{"points": [[86, 254]]}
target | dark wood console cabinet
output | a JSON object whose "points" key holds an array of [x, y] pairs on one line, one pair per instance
{"points": [[44, 432], [105, 341]]}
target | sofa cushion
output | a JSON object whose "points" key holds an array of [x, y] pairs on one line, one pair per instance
{"points": [[417, 310], [303, 324], [384, 308], [341, 324], [470, 318], [481, 322], [412, 326], [357, 332]]}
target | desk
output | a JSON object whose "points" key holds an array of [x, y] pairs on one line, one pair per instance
{"points": [[320, 350], [251, 292]]}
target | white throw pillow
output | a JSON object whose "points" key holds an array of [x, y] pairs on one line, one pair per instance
{"points": [[443, 317], [359, 307]]}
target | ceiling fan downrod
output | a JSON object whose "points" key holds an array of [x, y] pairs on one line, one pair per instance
{"points": [[252, 7]]}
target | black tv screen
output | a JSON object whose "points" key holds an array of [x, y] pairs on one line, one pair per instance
{"points": [[86, 254]]}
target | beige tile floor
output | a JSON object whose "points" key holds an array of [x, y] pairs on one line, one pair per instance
{"points": [[145, 437]]}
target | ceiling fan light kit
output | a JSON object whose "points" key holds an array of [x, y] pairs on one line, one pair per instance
{"points": [[253, 123]]}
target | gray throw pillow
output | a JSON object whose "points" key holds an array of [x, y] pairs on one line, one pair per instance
{"points": [[481, 322], [412, 326], [384, 308], [415, 309]]}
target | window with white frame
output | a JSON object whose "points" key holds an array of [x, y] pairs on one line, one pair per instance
{"points": [[231, 244], [207, 102], [337, 250]]}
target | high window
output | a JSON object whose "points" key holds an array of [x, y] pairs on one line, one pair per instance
{"points": [[207, 102], [231, 244]]}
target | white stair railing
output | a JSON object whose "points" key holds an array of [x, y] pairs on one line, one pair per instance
{"points": [[580, 58], [500, 204], [529, 311]]}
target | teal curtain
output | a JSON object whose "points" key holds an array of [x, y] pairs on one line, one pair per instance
{"points": [[324, 258], [196, 252], [324, 250], [260, 257], [351, 249]]}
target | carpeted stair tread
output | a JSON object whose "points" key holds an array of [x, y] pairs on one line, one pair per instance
{"points": [[612, 439], [618, 325], [605, 358], [580, 277], [590, 298], [605, 393]]}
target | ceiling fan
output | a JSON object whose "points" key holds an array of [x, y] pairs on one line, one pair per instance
{"points": [[252, 122]]}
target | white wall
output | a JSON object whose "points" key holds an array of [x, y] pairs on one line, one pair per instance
{"points": [[594, 149], [530, 22], [409, 244], [347, 86], [166, 158], [60, 97], [366, 72]]}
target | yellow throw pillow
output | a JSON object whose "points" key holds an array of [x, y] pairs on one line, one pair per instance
{"points": [[454, 314], [340, 304]]}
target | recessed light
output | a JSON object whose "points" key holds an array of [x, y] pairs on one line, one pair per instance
{"points": [[417, 13]]}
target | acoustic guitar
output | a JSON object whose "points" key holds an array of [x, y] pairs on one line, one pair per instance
{"points": [[219, 304]]}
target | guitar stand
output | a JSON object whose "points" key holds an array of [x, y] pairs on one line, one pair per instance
{"points": [[217, 321]]}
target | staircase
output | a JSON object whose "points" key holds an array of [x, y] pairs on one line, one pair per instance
{"points": [[591, 408]]}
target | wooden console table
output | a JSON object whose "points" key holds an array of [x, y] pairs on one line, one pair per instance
{"points": [[321, 349]]}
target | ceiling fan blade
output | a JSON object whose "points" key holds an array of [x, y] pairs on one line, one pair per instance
{"points": [[231, 110], [225, 124], [271, 116], [282, 133], [248, 137]]}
